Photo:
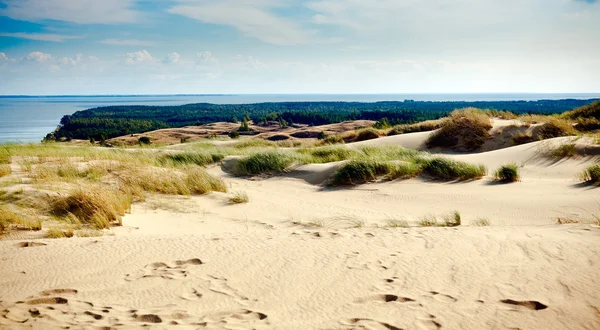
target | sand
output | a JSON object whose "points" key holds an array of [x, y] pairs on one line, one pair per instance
{"points": [[300, 256]]}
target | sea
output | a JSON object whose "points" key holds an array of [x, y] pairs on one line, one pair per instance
{"points": [[30, 118]]}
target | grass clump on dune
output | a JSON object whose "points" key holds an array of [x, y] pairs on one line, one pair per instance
{"points": [[507, 173], [197, 158], [8, 218], [563, 151], [263, 162], [360, 171], [5, 170], [239, 197], [4, 157], [424, 126], [591, 174], [328, 154], [94, 206], [332, 139], [464, 129], [448, 169], [366, 134], [554, 127]]}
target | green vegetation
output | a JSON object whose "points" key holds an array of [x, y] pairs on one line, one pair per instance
{"points": [[239, 197], [263, 162], [450, 220], [97, 207], [424, 126], [554, 127], [563, 151], [328, 154], [333, 139], [448, 169], [507, 173], [591, 174], [397, 224], [366, 134], [481, 222], [144, 140], [465, 129], [192, 157], [591, 110], [116, 121], [360, 171]]}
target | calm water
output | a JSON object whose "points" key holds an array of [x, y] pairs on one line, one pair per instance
{"points": [[29, 119]]}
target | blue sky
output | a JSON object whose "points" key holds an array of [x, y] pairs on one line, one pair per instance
{"points": [[298, 46]]}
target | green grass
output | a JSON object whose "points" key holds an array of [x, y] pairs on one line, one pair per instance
{"points": [[397, 224], [192, 157], [449, 220], [507, 173], [366, 134], [563, 151], [360, 171], [448, 169], [239, 197], [8, 218], [591, 174], [327, 154], [332, 139], [264, 162]]}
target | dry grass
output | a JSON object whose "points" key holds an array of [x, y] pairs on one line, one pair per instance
{"points": [[481, 222], [9, 218], [554, 127], [56, 233], [397, 224], [452, 219], [239, 197], [465, 129], [5, 170], [367, 134], [424, 126]]}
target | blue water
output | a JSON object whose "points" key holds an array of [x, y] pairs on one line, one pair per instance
{"points": [[29, 119]]}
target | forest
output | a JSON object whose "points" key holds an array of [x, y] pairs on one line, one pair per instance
{"points": [[113, 121]]}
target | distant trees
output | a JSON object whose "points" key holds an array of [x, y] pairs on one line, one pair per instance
{"points": [[115, 121]]}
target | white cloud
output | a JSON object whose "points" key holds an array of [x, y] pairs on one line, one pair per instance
{"points": [[138, 57], [39, 36], [3, 57], [38, 57], [126, 42], [79, 11], [207, 57], [172, 58], [253, 18]]}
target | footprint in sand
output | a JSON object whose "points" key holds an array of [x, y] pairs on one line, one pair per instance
{"points": [[235, 318], [443, 297], [369, 324], [30, 244], [191, 294], [173, 271], [524, 305], [384, 298], [219, 285]]}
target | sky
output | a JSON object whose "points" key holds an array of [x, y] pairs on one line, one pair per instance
{"points": [[91, 47]]}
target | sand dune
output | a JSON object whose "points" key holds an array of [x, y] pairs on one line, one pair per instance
{"points": [[303, 256]]}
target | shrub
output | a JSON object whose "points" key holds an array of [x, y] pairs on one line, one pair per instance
{"points": [[144, 140], [382, 124], [5, 170], [587, 124], [234, 134], [278, 137], [465, 129], [263, 162], [591, 174], [97, 207], [507, 173], [321, 135], [239, 197], [448, 169], [522, 138], [366, 134], [360, 171], [184, 140]]}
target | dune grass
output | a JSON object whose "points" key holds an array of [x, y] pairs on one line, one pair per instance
{"points": [[481, 222], [424, 126], [397, 224], [448, 169], [507, 173], [464, 129], [452, 219], [8, 218], [327, 154], [264, 162], [5, 170], [239, 197], [563, 151], [360, 171], [554, 127], [332, 139], [366, 134], [591, 174], [192, 157]]}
